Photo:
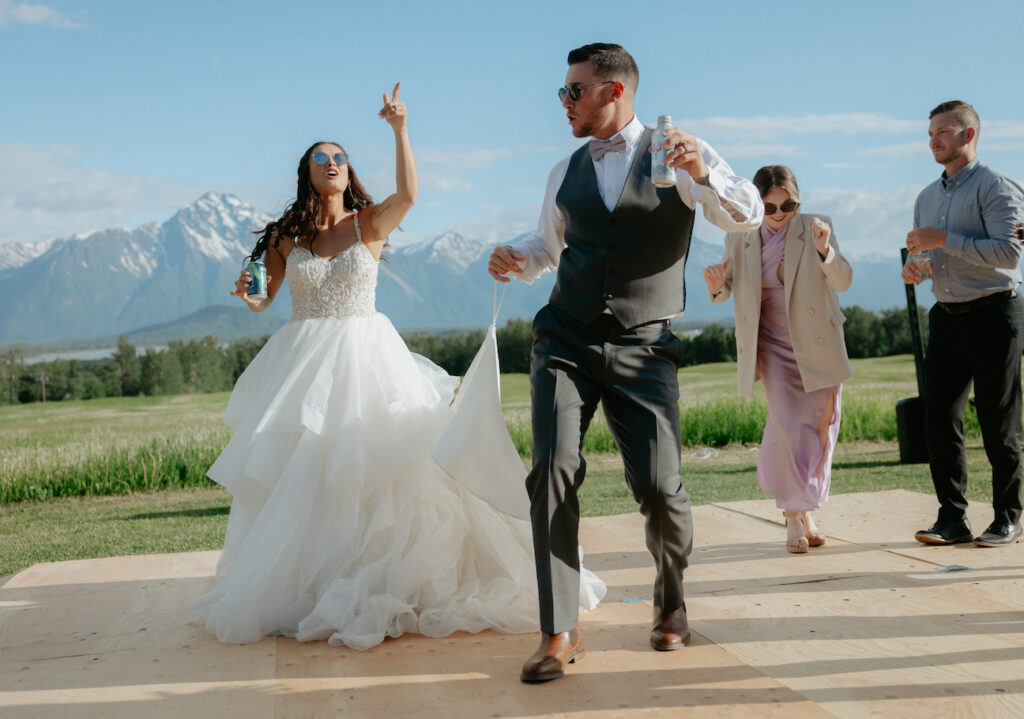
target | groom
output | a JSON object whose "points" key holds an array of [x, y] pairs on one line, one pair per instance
{"points": [[619, 245]]}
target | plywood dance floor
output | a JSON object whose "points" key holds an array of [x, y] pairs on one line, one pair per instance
{"points": [[870, 625]]}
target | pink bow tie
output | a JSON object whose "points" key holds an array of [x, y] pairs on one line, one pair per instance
{"points": [[599, 147]]}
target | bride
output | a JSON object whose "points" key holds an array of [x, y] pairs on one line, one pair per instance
{"points": [[342, 527]]}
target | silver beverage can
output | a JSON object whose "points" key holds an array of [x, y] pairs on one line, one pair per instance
{"points": [[257, 289], [661, 174]]}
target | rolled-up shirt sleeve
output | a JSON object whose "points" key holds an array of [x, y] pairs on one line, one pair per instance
{"points": [[728, 201], [1002, 207], [543, 247]]}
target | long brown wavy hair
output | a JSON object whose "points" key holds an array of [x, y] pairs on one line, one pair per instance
{"points": [[299, 220]]}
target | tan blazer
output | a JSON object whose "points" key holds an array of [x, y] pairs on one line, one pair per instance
{"points": [[812, 306]]}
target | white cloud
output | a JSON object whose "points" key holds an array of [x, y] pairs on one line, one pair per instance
{"points": [[777, 150], [866, 221], [766, 127], [445, 183], [1002, 147], [1001, 130], [439, 169], [23, 13], [448, 170], [904, 149], [47, 191], [460, 160], [1009, 136], [500, 224]]}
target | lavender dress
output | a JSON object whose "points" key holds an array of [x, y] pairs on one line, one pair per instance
{"points": [[790, 461]]}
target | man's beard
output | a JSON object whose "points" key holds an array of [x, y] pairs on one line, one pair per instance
{"points": [[947, 156], [583, 131]]}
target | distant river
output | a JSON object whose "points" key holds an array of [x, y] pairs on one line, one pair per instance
{"points": [[81, 355]]}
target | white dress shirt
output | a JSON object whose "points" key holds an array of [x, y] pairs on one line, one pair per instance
{"points": [[729, 202]]}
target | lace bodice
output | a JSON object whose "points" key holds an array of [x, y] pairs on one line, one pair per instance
{"points": [[345, 286]]}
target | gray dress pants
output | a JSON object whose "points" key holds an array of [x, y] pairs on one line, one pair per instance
{"points": [[632, 373]]}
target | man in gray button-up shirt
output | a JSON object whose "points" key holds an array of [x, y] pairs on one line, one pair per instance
{"points": [[965, 223]]}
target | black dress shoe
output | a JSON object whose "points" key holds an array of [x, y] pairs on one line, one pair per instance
{"points": [[956, 532], [999, 534]]}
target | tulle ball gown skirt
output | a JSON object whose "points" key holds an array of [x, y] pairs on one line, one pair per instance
{"points": [[341, 525]]}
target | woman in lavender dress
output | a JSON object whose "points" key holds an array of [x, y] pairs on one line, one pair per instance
{"points": [[783, 278]]}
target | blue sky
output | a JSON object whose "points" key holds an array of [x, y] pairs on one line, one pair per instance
{"points": [[117, 112]]}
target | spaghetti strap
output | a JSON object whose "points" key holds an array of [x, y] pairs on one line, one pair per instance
{"points": [[359, 234]]}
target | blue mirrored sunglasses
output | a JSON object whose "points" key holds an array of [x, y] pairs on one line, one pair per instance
{"points": [[322, 158]]}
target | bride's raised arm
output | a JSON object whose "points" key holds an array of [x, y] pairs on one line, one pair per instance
{"points": [[387, 214]]}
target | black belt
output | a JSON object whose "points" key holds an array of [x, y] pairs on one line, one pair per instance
{"points": [[607, 320], [959, 308], [667, 324]]}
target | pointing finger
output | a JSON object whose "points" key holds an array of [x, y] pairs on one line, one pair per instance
{"points": [[394, 93]]}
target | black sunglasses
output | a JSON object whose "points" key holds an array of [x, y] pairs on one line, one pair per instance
{"points": [[321, 158], [574, 89], [787, 207]]}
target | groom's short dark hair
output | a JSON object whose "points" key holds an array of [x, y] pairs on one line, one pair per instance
{"points": [[610, 61]]}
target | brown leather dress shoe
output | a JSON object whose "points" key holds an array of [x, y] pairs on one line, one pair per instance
{"points": [[554, 652], [670, 630]]}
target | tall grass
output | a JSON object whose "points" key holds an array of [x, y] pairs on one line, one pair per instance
{"points": [[158, 464], [108, 446], [713, 415], [120, 446], [720, 421]]}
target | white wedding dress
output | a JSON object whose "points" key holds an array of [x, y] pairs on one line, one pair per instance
{"points": [[342, 526]]}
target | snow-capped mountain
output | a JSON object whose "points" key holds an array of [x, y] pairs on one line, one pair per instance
{"points": [[451, 249], [16, 254], [105, 283], [112, 281], [219, 226]]}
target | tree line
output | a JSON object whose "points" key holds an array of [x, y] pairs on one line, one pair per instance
{"points": [[208, 366], [182, 368], [867, 335]]}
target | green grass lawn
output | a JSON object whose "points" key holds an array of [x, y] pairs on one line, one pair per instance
{"points": [[88, 527], [94, 425], [171, 437], [194, 519]]}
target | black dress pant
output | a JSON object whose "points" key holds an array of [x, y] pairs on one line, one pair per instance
{"points": [[983, 345], [633, 374]]}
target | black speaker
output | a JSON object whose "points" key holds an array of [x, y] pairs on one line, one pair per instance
{"points": [[910, 431]]}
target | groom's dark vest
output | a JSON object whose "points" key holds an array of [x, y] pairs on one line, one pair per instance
{"points": [[630, 260]]}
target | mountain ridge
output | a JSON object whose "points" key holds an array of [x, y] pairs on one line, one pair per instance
{"points": [[123, 281]]}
